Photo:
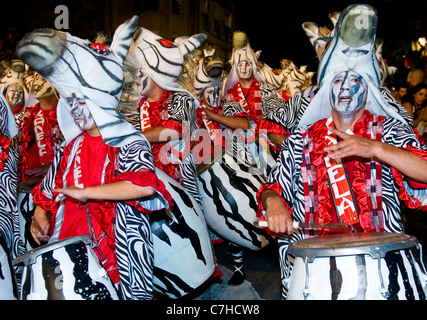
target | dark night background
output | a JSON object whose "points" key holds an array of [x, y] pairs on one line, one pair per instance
{"points": [[272, 26]]}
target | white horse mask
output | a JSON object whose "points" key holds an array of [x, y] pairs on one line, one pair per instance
{"points": [[351, 48], [80, 69]]}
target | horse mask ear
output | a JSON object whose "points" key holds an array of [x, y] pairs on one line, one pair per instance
{"points": [[122, 39], [191, 43]]}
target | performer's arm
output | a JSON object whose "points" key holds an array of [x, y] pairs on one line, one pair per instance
{"points": [[40, 225], [161, 134], [119, 191], [230, 122], [403, 160]]}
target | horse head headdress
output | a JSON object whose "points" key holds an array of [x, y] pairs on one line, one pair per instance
{"points": [[242, 51], [352, 47], [209, 72], [160, 58], [81, 69]]}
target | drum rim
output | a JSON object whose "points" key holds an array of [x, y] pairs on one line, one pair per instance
{"points": [[375, 250], [30, 256]]}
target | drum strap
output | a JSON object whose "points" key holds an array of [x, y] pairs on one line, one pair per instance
{"points": [[374, 179], [95, 242]]}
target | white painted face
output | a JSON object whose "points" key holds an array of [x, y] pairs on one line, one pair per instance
{"points": [[41, 87], [348, 92], [81, 113], [244, 69], [14, 95], [212, 96], [145, 83]]}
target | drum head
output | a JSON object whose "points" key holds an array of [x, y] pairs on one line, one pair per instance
{"points": [[30, 256], [375, 244]]}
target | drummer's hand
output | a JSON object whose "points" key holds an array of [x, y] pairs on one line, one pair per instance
{"points": [[209, 112], [352, 145], [278, 217], [73, 192], [41, 217]]}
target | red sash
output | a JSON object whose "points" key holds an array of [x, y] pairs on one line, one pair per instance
{"points": [[211, 129], [43, 143], [257, 104], [144, 116], [341, 191]]}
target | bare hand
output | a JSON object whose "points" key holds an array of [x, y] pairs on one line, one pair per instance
{"points": [[209, 112], [352, 145], [73, 192], [40, 227], [278, 217]]}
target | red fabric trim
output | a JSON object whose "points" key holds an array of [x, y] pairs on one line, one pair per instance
{"points": [[358, 184], [4, 154], [145, 179]]}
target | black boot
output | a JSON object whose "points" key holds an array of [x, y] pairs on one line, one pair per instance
{"points": [[239, 275]]}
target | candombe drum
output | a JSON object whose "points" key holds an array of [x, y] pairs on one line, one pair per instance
{"points": [[358, 266], [65, 270], [26, 208], [228, 191], [183, 255], [8, 288]]}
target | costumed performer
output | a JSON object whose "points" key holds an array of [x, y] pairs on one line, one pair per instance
{"points": [[102, 180], [297, 187]]}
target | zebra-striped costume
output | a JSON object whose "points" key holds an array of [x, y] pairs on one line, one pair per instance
{"points": [[247, 149], [132, 237], [9, 223], [288, 174], [93, 73]]}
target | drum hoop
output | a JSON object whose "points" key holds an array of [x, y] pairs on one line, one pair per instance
{"points": [[205, 166], [375, 250], [30, 256], [29, 184]]}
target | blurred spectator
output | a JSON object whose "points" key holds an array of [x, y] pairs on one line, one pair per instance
{"points": [[415, 76], [401, 91]]}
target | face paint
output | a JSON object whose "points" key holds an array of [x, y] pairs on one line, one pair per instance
{"points": [[348, 93], [14, 95], [212, 96], [244, 69], [42, 88], [145, 83], [81, 113]]}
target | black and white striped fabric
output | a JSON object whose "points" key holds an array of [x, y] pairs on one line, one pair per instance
{"points": [[9, 221]]}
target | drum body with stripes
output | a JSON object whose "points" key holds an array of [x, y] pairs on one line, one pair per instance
{"points": [[67, 269], [183, 255], [228, 190], [8, 288], [357, 266]]}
